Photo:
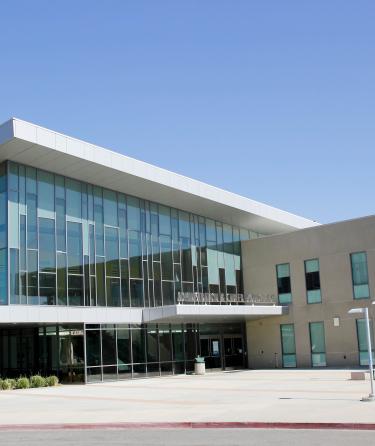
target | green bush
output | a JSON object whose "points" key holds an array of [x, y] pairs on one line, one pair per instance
{"points": [[5, 384], [37, 381], [52, 380], [22, 383]]}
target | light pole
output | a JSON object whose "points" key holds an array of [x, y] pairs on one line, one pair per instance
{"points": [[364, 311]]}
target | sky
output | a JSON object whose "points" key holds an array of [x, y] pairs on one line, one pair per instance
{"points": [[273, 100]]}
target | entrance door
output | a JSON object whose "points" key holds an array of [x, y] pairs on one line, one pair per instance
{"points": [[211, 351], [233, 352]]}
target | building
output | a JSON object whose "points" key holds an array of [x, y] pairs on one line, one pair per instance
{"points": [[111, 268], [320, 273]]}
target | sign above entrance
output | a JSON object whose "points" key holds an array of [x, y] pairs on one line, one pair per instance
{"points": [[226, 299]]}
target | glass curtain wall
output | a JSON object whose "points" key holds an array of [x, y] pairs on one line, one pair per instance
{"points": [[72, 243], [3, 236], [49, 349], [130, 351]]}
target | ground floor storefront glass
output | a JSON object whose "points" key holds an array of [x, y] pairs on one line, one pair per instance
{"points": [[134, 351], [48, 349], [107, 352]]}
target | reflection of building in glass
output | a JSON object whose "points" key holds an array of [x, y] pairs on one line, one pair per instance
{"points": [[112, 268]]}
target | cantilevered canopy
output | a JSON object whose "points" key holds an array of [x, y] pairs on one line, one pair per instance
{"points": [[23, 314], [36, 146], [211, 313]]}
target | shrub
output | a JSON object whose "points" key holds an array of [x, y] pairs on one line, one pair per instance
{"points": [[12, 383], [37, 381], [52, 380], [5, 384], [22, 383]]}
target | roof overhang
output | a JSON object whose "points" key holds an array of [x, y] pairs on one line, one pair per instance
{"points": [[29, 144], [211, 313], [54, 314]]}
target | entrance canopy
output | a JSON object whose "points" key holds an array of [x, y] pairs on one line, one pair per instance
{"points": [[170, 313], [211, 313]]}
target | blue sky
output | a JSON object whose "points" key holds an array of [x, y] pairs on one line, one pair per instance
{"points": [[274, 100]]}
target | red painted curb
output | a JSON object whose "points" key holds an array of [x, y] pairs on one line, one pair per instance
{"points": [[187, 425]]}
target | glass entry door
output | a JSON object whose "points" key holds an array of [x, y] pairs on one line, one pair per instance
{"points": [[233, 352], [211, 351], [223, 346]]}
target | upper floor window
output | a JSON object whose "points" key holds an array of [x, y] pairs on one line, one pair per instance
{"points": [[312, 277], [283, 283], [361, 288]]}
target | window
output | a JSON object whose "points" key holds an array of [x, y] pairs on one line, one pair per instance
{"points": [[312, 277], [110, 207], [288, 345], [60, 213], [283, 283], [61, 279], [360, 275], [46, 191], [123, 347], [3, 277], [112, 252], [31, 202], [135, 254], [75, 253], [73, 198], [164, 220], [362, 341], [47, 249], [134, 214], [75, 264], [47, 289], [317, 342]]}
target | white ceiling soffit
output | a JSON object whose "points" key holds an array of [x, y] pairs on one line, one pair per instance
{"points": [[36, 146], [211, 313]]}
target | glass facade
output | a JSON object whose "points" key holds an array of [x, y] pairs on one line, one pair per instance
{"points": [[317, 343], [126, 351], [283, 283], [312, 277], [134, 351], [288, 345], [361, 288], [3, 236], [51, 349], [72, 243]]}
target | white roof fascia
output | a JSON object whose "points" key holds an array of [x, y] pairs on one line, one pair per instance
{"points": [[30, 144]]}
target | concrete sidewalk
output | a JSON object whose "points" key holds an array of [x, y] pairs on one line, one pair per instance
{"points": [[286, 396]]}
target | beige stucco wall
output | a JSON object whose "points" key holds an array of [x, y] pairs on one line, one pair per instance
{"points": [[332, 245]]}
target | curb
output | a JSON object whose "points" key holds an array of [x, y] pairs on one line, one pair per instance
{"points": [[186, 425]]}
